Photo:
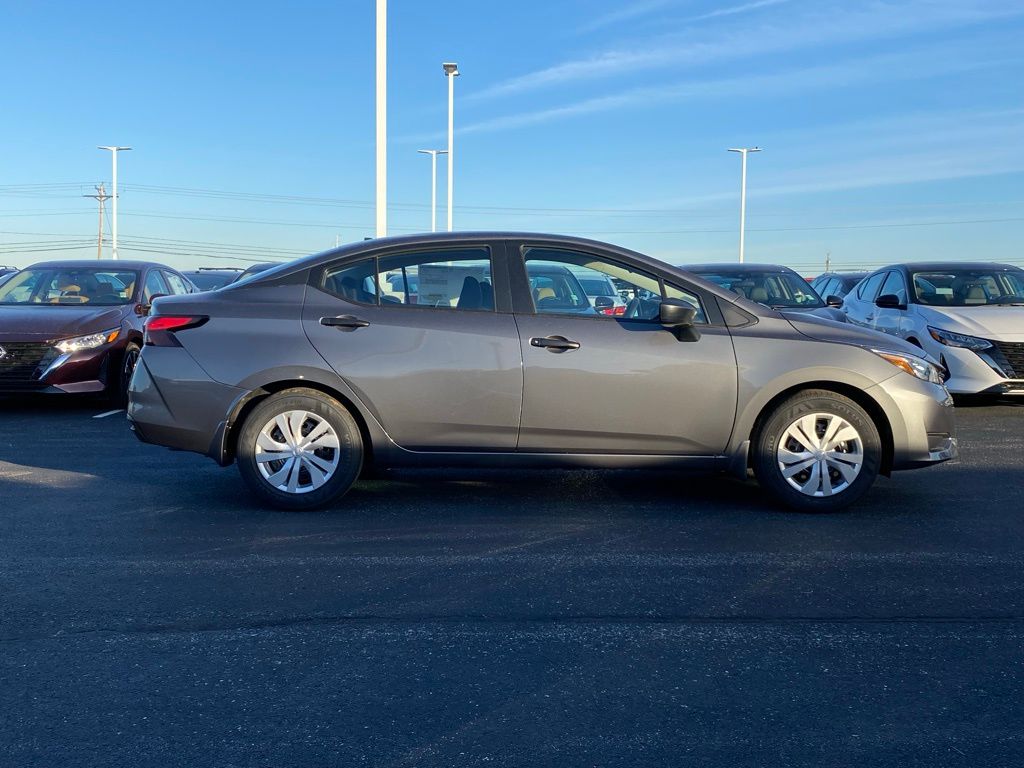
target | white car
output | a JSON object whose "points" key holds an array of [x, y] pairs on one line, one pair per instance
{"points": [[968, 316]]}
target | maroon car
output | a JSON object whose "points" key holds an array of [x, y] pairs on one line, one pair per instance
{"points": [[76, 326]]}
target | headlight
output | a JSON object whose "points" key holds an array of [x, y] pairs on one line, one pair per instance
{"points": [[915, 366], [951, 339], [91, 341]]}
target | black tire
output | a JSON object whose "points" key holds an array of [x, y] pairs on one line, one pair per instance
{"points": [[119, 388], [350, 449], [767, 443]]}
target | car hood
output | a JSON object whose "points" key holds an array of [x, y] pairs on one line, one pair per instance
{"points": [[822, 329], [35, 322], [1001, 323], [828, 313]]}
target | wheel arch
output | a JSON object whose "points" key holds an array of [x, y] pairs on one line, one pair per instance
{"points": [[244, 406], [858, 395]]}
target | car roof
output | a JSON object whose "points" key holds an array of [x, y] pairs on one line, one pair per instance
{"points": [[734, 268], [368, 247], [938, 266], [102, 264]]}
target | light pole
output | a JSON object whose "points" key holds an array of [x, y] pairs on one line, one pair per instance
{"points": [[382, 118], [433, 183], [113, 194], [743, 192], [451, 71]]}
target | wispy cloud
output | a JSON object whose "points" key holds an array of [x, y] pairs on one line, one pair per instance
{"points": [[631, 11], [736, 9], [825, 24], [902, 66]]}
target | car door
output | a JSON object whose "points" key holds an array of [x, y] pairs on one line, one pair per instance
{"points": [[860, 304], [890, 319], [441, 367], [595, 383]]}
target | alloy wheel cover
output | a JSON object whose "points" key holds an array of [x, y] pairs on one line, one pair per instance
{"points": [[297, 451], [820, 454]]}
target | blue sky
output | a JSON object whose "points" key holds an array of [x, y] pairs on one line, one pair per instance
{"points": [[891, 130]]}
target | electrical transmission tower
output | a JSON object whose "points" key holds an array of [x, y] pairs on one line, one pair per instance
{"points": [[102, 197]]}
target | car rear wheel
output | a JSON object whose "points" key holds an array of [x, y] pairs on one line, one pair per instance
{"points": [[818, 451], [299, 449]]}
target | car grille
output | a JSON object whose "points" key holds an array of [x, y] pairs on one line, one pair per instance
{"points": [[22, 363], [1009, 356]]}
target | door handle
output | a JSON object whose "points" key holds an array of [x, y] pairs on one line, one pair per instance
{"points": [[344, 322], [554, 343]]}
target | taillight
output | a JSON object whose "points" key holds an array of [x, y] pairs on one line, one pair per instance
{"points": [[160, 329], [620, 310]]}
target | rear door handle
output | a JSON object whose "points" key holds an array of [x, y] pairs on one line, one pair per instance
{"points": [[344, 322], [554, 343]]}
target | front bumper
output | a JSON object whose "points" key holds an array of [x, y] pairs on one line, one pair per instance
{"points": [[988, 372], [922, 421], [37, 367]]}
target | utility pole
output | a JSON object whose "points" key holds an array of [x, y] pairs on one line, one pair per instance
{"points": [[743, 193], [102, 196], [828, 261], [382, 118], [113, 193]]}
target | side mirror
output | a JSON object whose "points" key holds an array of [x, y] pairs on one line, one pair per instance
{"points": [[678, 316], [889, 301], [604, 304], [833, 301], [143, 310]]}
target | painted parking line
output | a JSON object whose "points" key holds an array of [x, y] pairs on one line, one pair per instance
{"points": [[108, 413]]}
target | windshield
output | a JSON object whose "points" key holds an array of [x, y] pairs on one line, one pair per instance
{"points": [[71, 286], [596, 286], [775, 289], [969, 287]]}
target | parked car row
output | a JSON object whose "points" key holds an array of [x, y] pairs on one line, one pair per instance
{"points": [[524, 350]]}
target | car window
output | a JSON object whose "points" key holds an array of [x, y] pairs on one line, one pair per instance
{"points": [[154, 286], [894, 285], [175, 283], [558, 279], [869, 288], [446, 278], [831, 288], [451, 278], [352, 282], [97, 286], [965, 287]]}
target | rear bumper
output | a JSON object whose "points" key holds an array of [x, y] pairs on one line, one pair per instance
{"points": [[191, 415]]}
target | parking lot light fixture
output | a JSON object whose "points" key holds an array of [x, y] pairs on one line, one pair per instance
{"points": [[433, 183], [451, 71], [113, 193], [744, 151]]}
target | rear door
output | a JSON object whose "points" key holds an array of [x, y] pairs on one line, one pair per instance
{"points": [[597, 383], [426, 338]]}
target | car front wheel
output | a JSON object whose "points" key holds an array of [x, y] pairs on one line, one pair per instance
{"points": [[818, 451], [299, 449]]}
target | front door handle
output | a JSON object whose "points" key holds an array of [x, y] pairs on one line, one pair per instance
{"points": [[344, 322], [554, 343]]}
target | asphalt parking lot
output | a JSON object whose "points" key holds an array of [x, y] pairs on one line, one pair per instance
{"points": [[150, 615]]}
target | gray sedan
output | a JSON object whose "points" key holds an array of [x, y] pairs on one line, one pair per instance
{"points": [[306, 373]]}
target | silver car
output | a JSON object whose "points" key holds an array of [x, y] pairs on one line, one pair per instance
{"points": [[312, 370], [967, 315]]}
